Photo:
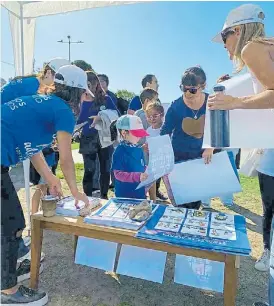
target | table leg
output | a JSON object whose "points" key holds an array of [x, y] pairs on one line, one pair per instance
{"points": [[230, 280], [75, 245], [119, 247], [36, 248], [238, 262]]}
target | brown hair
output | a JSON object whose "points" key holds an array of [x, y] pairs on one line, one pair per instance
{"points": [[95, 87], [148, 93], [250, 32], [156, 106]]}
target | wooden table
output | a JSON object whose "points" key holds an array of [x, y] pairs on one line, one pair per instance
{"points": [[75, 226]]}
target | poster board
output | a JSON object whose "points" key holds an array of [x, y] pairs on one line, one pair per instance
{"points": [[249, 128], [193, 180]]}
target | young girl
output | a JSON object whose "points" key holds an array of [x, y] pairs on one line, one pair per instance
{"points": [[155, 117], [128, 162]]}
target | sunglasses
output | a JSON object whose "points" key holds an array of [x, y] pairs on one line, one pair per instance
{"points": [[225, 34], [192, 90]]}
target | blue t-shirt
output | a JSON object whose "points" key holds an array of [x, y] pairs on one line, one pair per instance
{"points": [[128, 158], [50, 159], [89, 109], [266, 165], [186, 132], [112, 96], [135, 103], [29, 124], [26, 86]]}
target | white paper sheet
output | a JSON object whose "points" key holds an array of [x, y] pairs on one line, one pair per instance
{"points": [[249, 128], [193, 180], [161, 159]]}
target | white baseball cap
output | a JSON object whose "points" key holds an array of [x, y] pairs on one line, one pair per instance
{"points": [[246, 13], [72, 76], [57, 63], [133, 124]]}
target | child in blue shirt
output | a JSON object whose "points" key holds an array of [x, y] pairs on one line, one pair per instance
{"points": [[128, 163]]}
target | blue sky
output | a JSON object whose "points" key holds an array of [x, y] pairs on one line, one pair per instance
{"points": [[126, 42]]}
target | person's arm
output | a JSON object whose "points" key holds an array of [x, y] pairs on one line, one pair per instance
{"points": [[130, 112], [134, 105], [127, 177], [43, 169], [84, 112], [67, 165], [263, 100], [262, 67], [169, 123]]}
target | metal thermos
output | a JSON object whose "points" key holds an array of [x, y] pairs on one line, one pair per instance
{"points": [[219, 124]]}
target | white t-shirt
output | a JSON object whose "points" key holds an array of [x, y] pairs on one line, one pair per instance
{"points": [[153, 132]]}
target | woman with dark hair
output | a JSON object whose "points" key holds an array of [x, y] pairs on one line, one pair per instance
{"points": [[29, 124], [90, 145], [185, 120]]}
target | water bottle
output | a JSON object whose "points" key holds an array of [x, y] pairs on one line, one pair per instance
{"points": [[219, 124]]}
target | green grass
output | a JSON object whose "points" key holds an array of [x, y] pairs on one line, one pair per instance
{"points": [[79, 168], [74, 146]]}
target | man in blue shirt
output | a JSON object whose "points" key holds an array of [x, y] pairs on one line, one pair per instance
{"points": [[149, 81]]}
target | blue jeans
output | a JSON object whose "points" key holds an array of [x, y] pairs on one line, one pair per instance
{"points": [[22, 250]]}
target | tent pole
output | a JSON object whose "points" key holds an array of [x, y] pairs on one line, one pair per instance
{"points": [[22, 39], [26, 163]]}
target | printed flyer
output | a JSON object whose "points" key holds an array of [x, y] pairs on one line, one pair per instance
{"points": [[198, 229]]}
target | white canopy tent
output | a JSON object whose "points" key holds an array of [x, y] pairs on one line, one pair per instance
{"points": [[22, 16]]}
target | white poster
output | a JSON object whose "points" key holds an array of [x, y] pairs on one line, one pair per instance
{"points": [[161, 159], [249, 128], [194, 180]]}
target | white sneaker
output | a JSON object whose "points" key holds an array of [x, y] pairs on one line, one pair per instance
{"points": [[28, 256], [262, 264]]}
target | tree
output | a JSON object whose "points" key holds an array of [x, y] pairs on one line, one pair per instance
{"points": [[83, 65], [125, 94]]}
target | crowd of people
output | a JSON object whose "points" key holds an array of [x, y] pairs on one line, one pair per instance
{"points": [[40, 113]]}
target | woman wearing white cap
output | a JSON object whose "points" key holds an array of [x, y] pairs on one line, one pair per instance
{"points": [[32, 84], [244, 37], [29, 124]]}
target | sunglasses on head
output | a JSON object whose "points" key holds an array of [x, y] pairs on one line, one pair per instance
{"points": [[192, 90], [226, 33]]}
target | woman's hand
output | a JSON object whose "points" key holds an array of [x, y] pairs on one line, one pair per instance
{"points": [[55, 187], [78, 196], [207, 155], [222, 102], [95, 120], [143, 176]]}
